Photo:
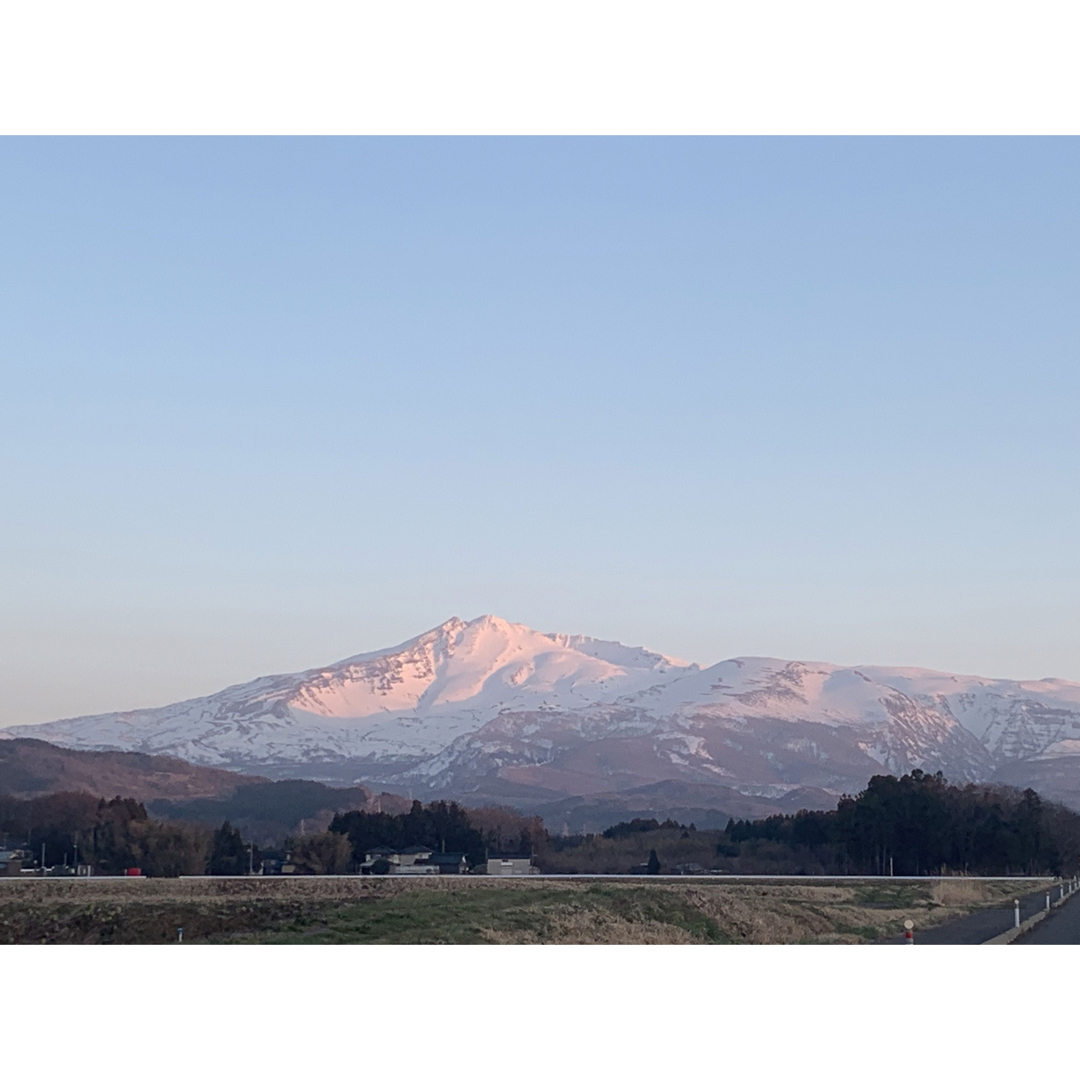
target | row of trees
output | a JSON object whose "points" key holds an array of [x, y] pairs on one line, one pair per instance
{"points": [[641, 825], [441, 826], [116, 835], [111, 836], [914, 824], [922, 824]]}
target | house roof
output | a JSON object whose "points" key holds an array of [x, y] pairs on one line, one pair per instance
{"points": [[416, 849]]}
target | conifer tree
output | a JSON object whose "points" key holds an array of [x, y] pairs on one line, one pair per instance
{"points": [[228, 852]]}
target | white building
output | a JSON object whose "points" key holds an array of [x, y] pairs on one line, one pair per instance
{"points": [[511, 866]]}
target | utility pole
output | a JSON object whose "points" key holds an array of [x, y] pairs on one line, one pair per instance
{"points": [[251, 860], [42, 860]]}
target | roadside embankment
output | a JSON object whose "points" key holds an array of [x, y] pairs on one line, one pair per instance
{"points": [[462, 910]]}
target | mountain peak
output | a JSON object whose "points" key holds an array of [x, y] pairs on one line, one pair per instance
{"points": [[488, 701]]}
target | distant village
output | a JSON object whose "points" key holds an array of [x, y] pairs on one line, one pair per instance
{"points": [[413, 861]]}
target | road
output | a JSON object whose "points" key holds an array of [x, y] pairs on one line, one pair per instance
{"points": [[980, 926], [1060, 927]]}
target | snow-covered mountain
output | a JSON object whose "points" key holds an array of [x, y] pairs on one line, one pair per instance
{"points": [[491, 708], [398, 705]]}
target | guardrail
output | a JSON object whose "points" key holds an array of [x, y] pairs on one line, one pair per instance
{"points": [[1020, 927]]}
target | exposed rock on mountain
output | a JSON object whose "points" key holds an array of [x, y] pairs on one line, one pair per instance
{"points": [[493, 710]]}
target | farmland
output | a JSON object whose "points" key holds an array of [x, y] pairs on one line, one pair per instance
{"points": [[478, 910]]}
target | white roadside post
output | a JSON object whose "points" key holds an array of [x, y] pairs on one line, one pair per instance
{"points": [[909, 937], [1016, 915], [1047, 901]]}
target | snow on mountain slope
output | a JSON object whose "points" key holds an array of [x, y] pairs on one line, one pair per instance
{"points": [[768, 727], [394, 704], [1009, 719], [494, 707], [763, 726]]}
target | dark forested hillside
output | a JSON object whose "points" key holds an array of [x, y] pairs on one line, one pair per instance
{"points": [[30, 767], [269, 810]]}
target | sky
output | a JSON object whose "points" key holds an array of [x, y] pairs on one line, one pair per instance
{"points": [[265, 404]]}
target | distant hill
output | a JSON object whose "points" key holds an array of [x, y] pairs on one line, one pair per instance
{"points": [[268, 811], [30, 767], [708, 806], [170, 788]]}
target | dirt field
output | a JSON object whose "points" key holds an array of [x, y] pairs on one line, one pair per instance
{"points": [[451, 910]]}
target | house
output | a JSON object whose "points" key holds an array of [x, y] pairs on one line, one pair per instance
{"points": [[419, 868], [378, 854], [511, 866], [449, 862], [411, 855], [415, 861]]}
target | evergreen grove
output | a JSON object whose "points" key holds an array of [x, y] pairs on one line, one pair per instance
{"points": [[921, 824]]}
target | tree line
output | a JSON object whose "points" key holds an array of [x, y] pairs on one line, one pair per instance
{"points": [[921, 824], [113, 836], [442, 826], [909, 825]]}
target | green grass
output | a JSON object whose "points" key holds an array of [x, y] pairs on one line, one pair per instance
{"points": [[898, 895], [483, 915], [870, 933]]}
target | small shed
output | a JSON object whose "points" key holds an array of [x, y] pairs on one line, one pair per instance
{"points": [[511, 866]]}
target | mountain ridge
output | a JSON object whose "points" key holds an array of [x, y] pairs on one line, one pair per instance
{"points": [[486, 707], [33, 767]]}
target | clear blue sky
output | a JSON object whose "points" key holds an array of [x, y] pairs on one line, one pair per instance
{"points": [[267, 403]]}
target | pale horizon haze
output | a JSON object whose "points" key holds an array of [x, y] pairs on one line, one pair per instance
{"points": [[268, 403]]}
